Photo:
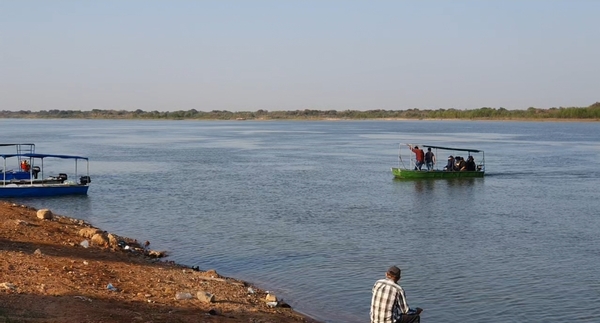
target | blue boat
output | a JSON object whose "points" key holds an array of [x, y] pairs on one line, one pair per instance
{"points": [[33, 186], [22, 169]]}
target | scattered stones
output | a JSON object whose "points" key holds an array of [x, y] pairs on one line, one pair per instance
{"points": [[82, 277], [89, 232]]}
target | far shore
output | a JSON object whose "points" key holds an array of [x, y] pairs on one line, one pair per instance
{"points": [[338, 119]]}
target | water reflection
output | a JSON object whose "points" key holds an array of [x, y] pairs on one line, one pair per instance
{"points": [[424, 184]]}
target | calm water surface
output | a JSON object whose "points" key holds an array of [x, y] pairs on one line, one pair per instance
{"points": [[311, 211]]}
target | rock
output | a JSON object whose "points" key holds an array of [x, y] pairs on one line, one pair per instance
{"points": [[8, 286], [205, 297], [37, 252], [100, 239], [44, 214], [156, 254], [89, 232], [271, 298], [213, 273], [21, 222], [113, 241]]}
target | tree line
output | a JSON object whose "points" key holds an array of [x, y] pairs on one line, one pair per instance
{"points": [[486, 113]]}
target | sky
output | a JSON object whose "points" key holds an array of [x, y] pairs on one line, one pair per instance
{"points": [[295, 55]]}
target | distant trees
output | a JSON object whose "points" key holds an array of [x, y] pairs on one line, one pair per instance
{"points": [[485, 113]]}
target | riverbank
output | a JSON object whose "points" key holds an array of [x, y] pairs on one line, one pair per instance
{"points": [[61, 269]]}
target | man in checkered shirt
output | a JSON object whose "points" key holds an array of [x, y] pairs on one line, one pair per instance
{"points": [[388, 304]]}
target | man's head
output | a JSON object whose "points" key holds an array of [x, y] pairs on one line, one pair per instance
{"points": [[428, 149], [393, 273], [416, 147]]}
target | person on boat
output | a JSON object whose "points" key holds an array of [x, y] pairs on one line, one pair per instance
{"points": [[429, 159], [388, 304], [461, 165], [470, 164], [25, 165], [419, 156], [450, 166]]}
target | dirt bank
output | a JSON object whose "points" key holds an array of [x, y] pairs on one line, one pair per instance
{"points": [[46, 275]]}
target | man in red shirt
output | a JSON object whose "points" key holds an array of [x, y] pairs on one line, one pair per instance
{"points": [[419, 156]]}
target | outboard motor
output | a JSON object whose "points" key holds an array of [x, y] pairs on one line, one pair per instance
{"points": [[35, 170], [62, 177], [83, 180]]}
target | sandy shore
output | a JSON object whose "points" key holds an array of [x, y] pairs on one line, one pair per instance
{"points": [[47, 275]]}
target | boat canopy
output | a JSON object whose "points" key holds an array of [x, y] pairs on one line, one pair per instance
{"points": [[459, 149], [6, 145], [42, 156]]}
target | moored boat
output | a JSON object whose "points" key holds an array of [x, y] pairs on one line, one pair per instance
{"points": [[60, 184], [472, 166]]}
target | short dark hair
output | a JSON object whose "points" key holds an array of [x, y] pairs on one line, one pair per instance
{"points": [[394, 271]]}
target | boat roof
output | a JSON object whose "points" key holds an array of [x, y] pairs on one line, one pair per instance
{"points": [[459, 149], [3, 145], [42, 156]]}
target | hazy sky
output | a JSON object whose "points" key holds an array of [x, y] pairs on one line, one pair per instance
{"points": [[289, 55]]}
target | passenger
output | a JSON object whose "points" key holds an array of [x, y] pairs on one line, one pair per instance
{"points": [[25, 165], [419, 156], [388, 304], [470, 165], [450, 166], [461, 165], [429, 159]]}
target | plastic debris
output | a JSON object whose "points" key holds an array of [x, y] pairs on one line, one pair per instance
{"points": [[251, 291], [183, 295], [111, 288], [85, 243], [272, 304]]}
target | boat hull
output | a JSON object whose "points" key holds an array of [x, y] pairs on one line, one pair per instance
{"points": [[416, 174], [42, 190], [12, 175]]}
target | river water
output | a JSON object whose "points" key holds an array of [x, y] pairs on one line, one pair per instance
{"points": [[311, 211]]}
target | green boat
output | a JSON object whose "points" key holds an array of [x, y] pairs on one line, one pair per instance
{"points": [[455, 166]]}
